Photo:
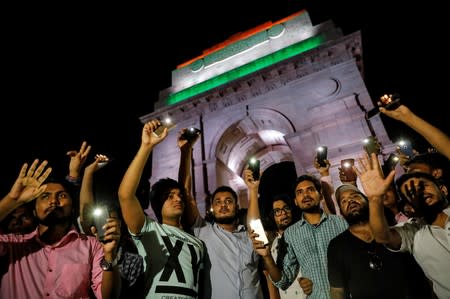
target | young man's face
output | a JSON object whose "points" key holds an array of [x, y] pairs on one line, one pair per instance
{"points": [[21, 221], [282, 214], [426, 198], [307, 198], [353, 206], [224, 207], [173, 207], [54, 206]]}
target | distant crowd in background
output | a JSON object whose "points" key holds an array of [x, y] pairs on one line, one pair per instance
{"points": [[384, 232]]}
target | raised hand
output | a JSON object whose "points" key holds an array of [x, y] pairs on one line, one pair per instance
{"points": [[77, 159], [150, 139], [29, 183], [371, 176]]}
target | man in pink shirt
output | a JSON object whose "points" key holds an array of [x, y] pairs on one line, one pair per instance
{"points": [[55, 260]]}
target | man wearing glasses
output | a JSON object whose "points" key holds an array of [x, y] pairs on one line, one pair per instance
{"points": [[359, 267], [283, 214]]}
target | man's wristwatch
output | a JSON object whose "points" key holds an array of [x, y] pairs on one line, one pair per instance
{"points": [[108, 266]]}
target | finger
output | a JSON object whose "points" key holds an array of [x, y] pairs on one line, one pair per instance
{"points": [[45, 175], [83, 146], [40, 169], [71, 153], [23, 170], [32, 168], [86, 152]]}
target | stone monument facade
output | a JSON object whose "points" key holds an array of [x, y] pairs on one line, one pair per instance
{"points": [[275, 92]]}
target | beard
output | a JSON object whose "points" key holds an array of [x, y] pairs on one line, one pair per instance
{"points": [[55, 217], [225, 220], [360, 216]]}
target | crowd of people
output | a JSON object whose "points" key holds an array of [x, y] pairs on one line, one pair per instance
{"points": [[384, 234]]}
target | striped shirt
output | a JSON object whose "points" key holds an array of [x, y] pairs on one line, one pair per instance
{"points": [[307, 249]]}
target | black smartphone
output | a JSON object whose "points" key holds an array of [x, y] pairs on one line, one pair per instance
{"points": [[406, 148], [99, 216], [371, 145], [190, 133], [390, 101], [390, 162], [167, 123], [254, 166], [322, 155], [347, 170]]}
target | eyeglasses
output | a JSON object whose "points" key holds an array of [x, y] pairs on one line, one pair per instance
{"points": [[278, 212], [375, 262]]}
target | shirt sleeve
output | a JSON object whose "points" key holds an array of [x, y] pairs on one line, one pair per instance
{"points": [[97, 272], [290, 269], [407, 230], [335, 266]]}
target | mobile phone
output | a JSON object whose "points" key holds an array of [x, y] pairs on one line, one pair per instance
{"points": [[347, 170], [390, 162], [257, 226], [167, 123], [99, 215], [406, 148], [254, 166], [390, 101], [322, 155], [190, 133], [371, 145]]}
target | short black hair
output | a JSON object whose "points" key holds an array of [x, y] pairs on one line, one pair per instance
{"points": [[160, 192], [225, 189], [311, 178]]}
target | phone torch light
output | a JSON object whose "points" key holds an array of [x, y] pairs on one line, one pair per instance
{"points": [[97, 212], [347, 165], [320, 149], [253, 160]]}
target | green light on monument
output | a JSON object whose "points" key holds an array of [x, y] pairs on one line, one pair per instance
{"points": [[244, 70]]}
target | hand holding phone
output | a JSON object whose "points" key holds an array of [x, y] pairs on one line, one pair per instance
{"points": [[390, 102], [322, 155], [254, 166], [100, 215], [190, 133], [167, 123], [258, 228]]}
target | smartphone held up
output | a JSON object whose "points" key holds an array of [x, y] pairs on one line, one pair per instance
{"points": [[371, 145], [322, 155], [190, 133], [254, 166], [347, 172], [166, 123], [257, 226], [100, 214]]}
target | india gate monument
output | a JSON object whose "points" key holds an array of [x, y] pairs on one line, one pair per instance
{"points": [[275, 92]]}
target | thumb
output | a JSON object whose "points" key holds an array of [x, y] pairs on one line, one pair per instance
{"points": [[71, 153]]}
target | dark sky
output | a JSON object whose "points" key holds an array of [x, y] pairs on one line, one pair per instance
{"points": [[73, 73]]}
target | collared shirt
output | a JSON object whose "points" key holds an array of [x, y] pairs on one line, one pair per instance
{"points": [[295, 290], [430, 246], [231, 271], [307, 249], [67, 269]]}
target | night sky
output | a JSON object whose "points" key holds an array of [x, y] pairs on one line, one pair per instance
{"points": [[74, 73]]}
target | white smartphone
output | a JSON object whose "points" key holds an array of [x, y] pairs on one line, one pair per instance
{"points": [[257, 226]]}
